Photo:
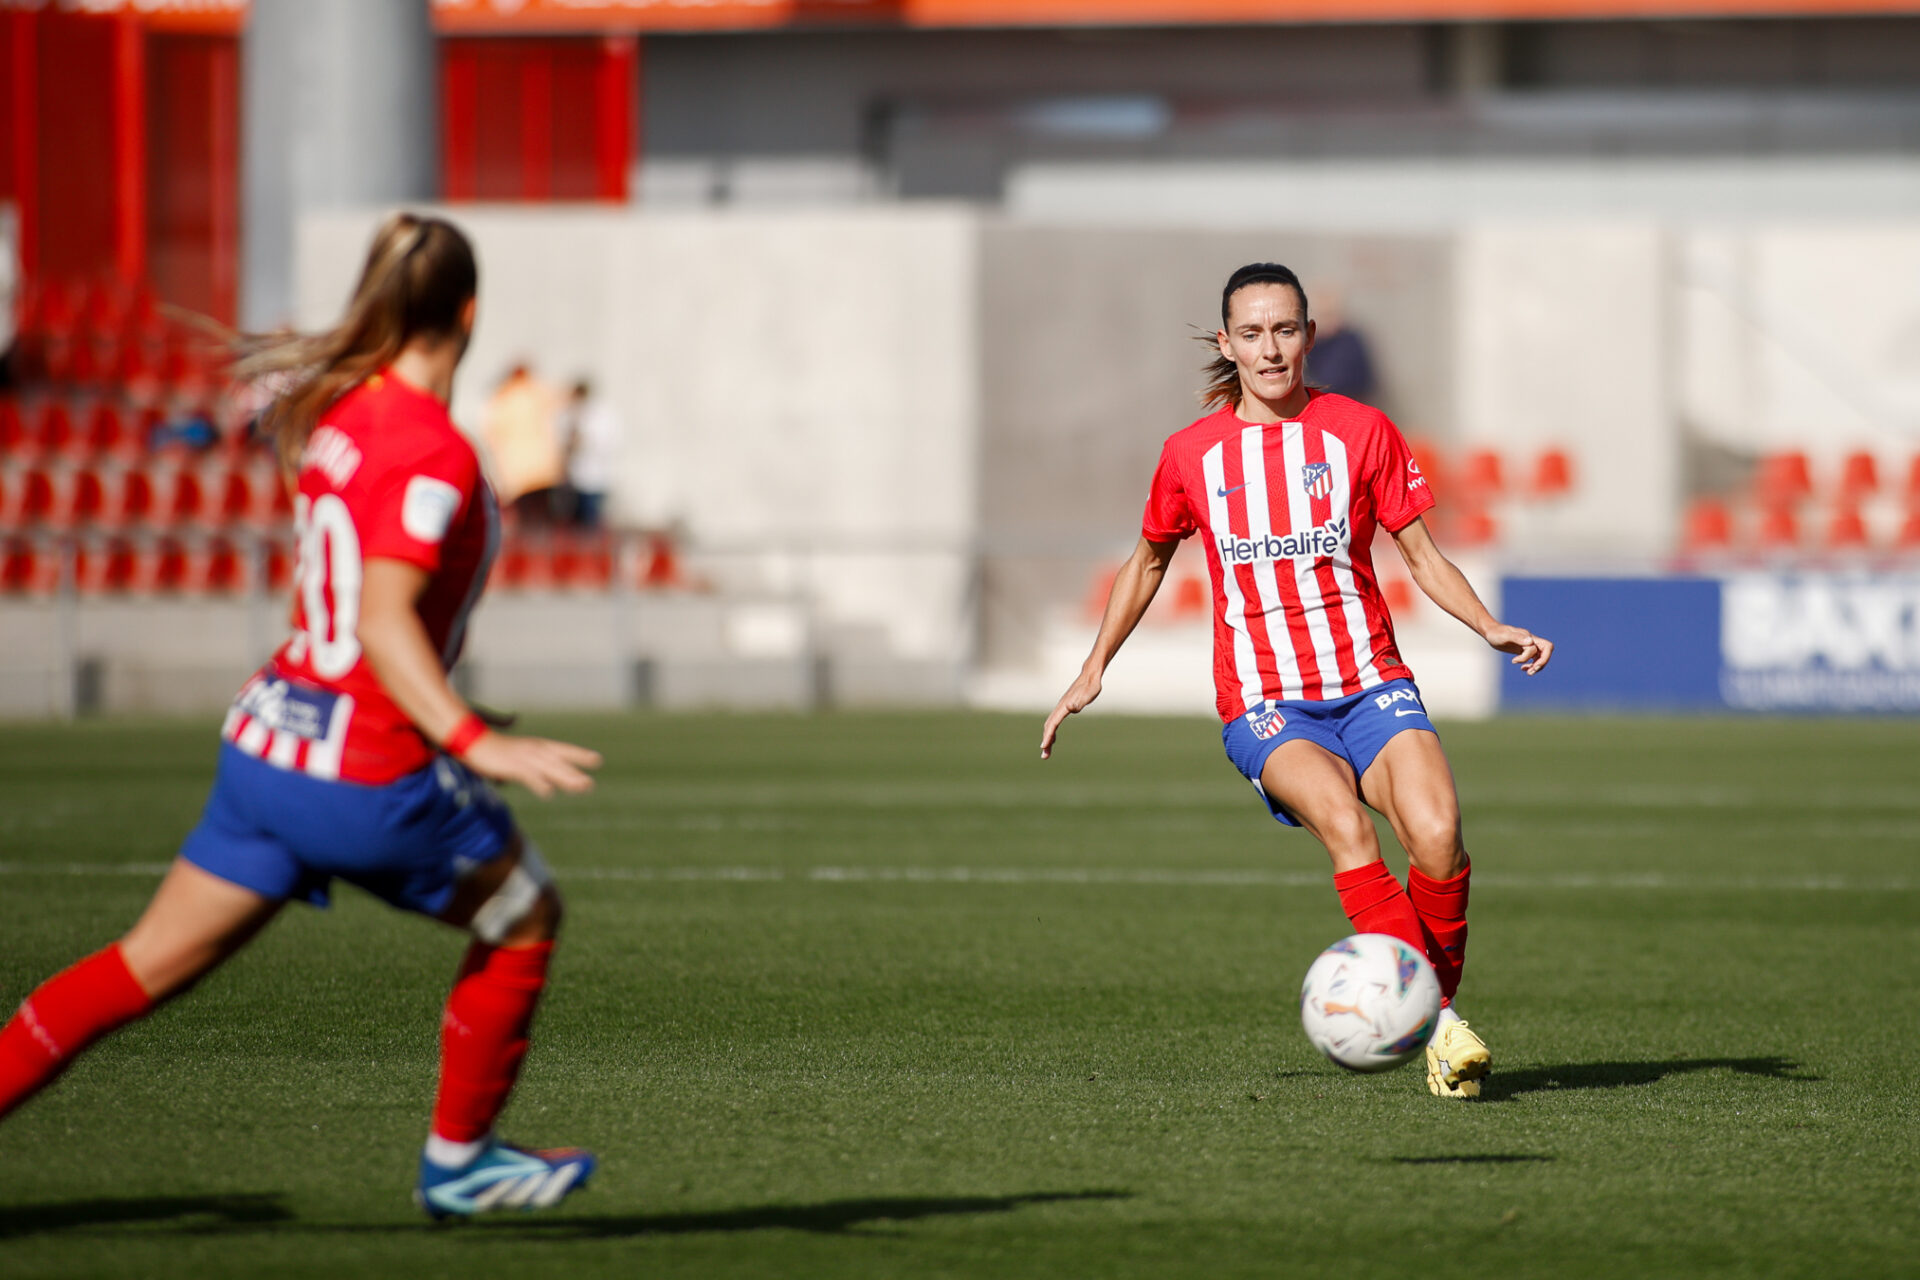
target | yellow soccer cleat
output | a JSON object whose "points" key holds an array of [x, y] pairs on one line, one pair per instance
{"points": [[1457, 1061]]}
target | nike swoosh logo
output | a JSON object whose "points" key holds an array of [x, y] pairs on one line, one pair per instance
{"points": [[1397, 714], [1223, 492]]}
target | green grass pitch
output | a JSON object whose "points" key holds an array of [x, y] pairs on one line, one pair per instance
{"points": [[886, 996]]}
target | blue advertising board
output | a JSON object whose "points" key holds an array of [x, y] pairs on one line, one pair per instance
{"points": [[1754, 641]]}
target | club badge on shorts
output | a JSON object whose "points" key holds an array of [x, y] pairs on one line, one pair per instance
{"points": [[1267, 724]]}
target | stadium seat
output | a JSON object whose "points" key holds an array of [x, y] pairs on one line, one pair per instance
{"points": [[26, 568], [51, 430], [1783, 477], [37, 496], [180, 497], [1474, 527], [1552, 474], [279, 566], [1482, 473], [1909, 539], [75, 497], [127, 498], [660, 565], [1399, 595], [103, 566], [1708, 526], [13, 431], [238, 499], [1846, 529], [1192, 597], [1859, 475], [1779, 527]]}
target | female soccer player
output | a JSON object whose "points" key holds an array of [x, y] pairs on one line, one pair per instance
{"points": [[1288, 485], [349, 755]]}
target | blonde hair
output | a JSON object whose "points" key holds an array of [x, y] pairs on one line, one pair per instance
{"points": [[419, 275]]}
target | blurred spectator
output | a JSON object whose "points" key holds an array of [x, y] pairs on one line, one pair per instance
{"points": [[1341, 361], [590, 438], [519, 428]]}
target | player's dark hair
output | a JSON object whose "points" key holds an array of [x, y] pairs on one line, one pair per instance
{"points": [[419, 275], [1222, 388]]}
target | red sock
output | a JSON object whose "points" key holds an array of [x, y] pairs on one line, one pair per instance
{"points": [[484, 1036], [1442, 906], [1376, 903], [65, 1014]]}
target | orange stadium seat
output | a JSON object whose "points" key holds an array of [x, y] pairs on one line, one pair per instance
{"points": [[1482, 473], [1399, 595], [1859, 474], [1552, 474], [1783, 477], [1708, 526], [1474, 527], [1909, 538], [1846, 529], [1779, 527], [1191, 597]]}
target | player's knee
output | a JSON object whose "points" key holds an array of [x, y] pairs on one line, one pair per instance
{"points": [[1349, 832], [524, 908], [1433, 842]]}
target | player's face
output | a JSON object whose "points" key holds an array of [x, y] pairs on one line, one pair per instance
{"points": [[1267, 337]]}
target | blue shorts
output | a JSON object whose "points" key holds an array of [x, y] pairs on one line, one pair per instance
{"points": [[1354, 728], [287, 835]]}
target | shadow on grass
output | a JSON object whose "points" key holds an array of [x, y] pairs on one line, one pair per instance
{"points": [[1486, 1159], [186, 1214], [245, 1214], [1618, 1075], [830, 1217]]}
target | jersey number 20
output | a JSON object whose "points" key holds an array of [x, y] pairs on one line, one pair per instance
{"points": [[327, 575]]}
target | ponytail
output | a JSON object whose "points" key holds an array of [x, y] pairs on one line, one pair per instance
{"points": [[419, 275]]}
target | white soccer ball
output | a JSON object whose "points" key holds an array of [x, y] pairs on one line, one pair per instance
{"points": [[1370, 1002]]}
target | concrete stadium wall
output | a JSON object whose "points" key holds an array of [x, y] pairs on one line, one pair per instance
{"points": [[800, 393]]}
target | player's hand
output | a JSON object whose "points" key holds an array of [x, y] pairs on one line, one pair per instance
{"points": [[1075, 699], [541, 765], [1530, 652]]}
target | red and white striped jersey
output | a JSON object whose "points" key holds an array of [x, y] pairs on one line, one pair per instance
{"points": [[385, 475], [1288, 512]]}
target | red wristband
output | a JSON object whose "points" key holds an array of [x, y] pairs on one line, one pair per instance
{"points": [[464, 735]]}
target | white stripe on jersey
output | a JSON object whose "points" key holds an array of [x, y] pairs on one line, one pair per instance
{"points": [[1357, 630], [253, 738], [1253, 470], [323, 754], [285, 751], [1313, 596], [1213, 472]]}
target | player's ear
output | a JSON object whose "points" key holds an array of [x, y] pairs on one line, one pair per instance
{"points": [[1313, 328], [1220, 340], [468, 310]]}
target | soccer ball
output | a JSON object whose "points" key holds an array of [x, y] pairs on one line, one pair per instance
{"points": [[1370, 1002]]}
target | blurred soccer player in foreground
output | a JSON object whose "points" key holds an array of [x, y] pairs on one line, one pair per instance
{"points": [[349, 754], [1288, 484]]}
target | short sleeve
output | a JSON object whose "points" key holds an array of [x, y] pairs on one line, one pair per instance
{"points": [[1400, 490], [1169, 516], [412, 504]]}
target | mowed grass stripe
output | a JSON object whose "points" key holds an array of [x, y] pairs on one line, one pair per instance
{"points": [[1145, 877]]}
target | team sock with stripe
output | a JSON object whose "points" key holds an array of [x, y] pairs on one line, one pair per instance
{"points": [[64, 1015], [483, 1040], [1375, 902], [1442, 908]]}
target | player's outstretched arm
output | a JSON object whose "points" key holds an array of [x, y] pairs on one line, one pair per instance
{"points": [[1447, 587], [1133, 590], [403, 659]]}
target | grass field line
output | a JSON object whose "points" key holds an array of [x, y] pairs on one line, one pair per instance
{"points": [[1147, 876]]}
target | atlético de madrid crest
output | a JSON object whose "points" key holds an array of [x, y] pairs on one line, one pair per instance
{"points": [[1318, 477]]}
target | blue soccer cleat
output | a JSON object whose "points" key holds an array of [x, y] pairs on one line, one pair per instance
{"points": [[502, 1177]]}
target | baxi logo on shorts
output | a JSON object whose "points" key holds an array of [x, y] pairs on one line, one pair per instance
{"points": [[1266, 724], [1386, 700]]}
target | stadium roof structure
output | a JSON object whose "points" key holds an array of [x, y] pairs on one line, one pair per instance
{"points": [[475, 17]]}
